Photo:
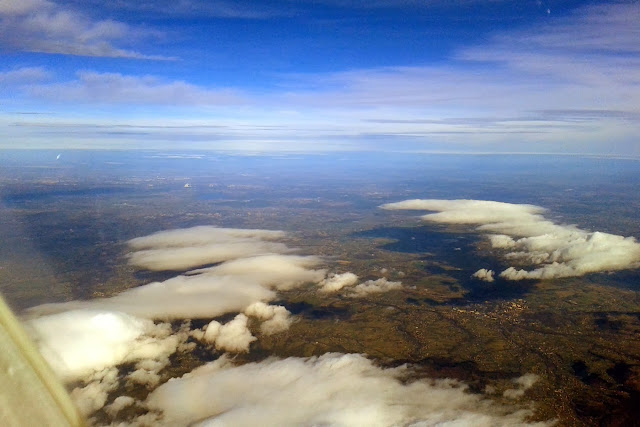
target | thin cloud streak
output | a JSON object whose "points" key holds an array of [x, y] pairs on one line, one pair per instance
{"points": [[115, 88], [249, 10], [24, 75]]}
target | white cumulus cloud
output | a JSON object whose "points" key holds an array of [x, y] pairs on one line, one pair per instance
{"points": [[484, 274], [234, 336], [374, 287], [276, 317], [335, 282]]}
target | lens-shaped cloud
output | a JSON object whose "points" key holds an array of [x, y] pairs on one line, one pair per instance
{"points": [[251, 269], [185, 248]]}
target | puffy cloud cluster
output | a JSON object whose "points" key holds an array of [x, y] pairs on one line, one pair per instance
{"points": [[335, 282], [94, 394], [234, 336], [119, 404], [555, 250], [484, 274], [276, 318], [374, 287], [332, 389], [85, 346]]}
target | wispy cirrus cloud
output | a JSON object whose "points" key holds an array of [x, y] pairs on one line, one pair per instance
{"points": [[601, 29], [47, 27], [591, 56], [571, 78], [252, 10], [24, 75], [116, 88]]}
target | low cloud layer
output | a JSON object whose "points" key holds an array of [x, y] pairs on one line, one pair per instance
{"points": [[333, 389], [554, 250], [201, 236], [86, 342], [185, 248]]}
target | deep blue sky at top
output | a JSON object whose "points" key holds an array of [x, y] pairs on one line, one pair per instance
{"points": [[430, 75], [249, 43]]}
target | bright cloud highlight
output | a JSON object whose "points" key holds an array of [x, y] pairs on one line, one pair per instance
{"points": [[80, 342]]}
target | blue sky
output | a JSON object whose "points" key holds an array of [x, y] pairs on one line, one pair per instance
{"points": [[327, 75]]}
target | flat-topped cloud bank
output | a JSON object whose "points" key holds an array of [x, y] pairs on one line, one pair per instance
{"points": [[525, 235]]}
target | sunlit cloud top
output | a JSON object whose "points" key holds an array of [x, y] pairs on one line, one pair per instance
{"points": [[466, 76]]}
